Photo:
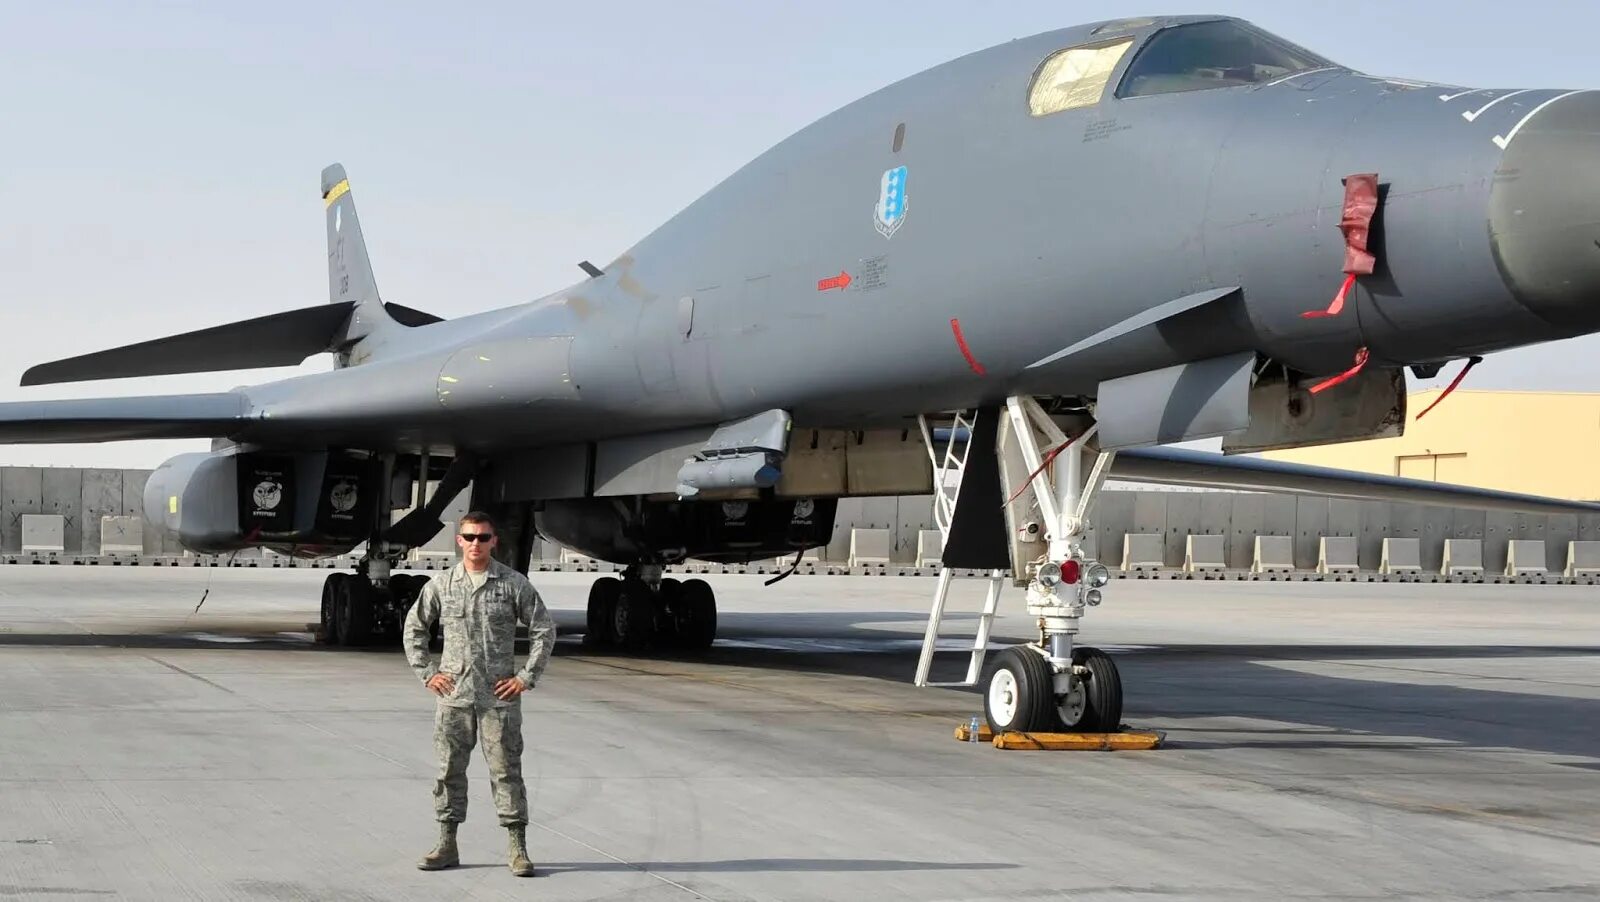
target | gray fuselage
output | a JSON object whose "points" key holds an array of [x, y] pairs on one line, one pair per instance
{"points": [[1030, 233]]}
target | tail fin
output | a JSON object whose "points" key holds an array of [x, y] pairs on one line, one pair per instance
{"points": [[350, 271]]}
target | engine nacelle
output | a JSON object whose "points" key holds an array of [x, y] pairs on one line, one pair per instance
{"points": [[303, 503]]}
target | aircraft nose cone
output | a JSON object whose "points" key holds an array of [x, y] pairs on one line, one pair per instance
{"points": [[1544, 213]]}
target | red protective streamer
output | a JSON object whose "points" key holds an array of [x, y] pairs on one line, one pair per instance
{"points": [[1360, 205], [961, 342], [1471, 362], [1338, 301], [1049, 457], [1362, 355]]}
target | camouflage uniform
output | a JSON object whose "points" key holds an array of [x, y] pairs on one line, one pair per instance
{"points": [[479, 628]]}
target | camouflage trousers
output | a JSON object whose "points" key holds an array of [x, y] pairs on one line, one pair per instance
{"points": [[455, 732]]}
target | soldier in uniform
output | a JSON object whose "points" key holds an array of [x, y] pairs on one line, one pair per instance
{"points": [[479, 603]]}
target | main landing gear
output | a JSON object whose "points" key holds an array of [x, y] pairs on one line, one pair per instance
{"points": [[642, 612], [365, 608]]}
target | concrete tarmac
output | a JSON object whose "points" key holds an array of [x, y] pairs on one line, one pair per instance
{"points": [[1327, 741]]}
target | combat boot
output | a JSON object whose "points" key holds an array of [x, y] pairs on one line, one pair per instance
{"points": [[517, 851], [445, 854]]}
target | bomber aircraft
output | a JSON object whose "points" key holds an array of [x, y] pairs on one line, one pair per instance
{"points": [[997, 282]]}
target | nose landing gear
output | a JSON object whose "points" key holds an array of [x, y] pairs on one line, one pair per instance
{"points": [[1047, 685]]}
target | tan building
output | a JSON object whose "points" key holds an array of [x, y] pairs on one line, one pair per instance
{"points": [[1541, 443]]}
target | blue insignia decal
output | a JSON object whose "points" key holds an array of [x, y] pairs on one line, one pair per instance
{"points": [[891, 209]]}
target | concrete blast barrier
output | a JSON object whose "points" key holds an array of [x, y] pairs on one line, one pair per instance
{"points": [[1401, 556], [568, 556], [63, 495], [44, 534], [1337, 554], [870, 547], [1143, 551], [1274, 554], [930, 547], [1205, 554], [102, 497], [1583, 559], [1525, 557], [1462, 557], [121, 535], [21, 493]]}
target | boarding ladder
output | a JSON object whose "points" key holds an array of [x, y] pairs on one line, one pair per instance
{"points": [[949, 459]]}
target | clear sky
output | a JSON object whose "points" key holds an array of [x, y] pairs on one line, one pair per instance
{"points": [[159, 160]]}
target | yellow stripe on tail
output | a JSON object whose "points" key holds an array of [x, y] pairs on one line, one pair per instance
{"points": [[336, 192]]}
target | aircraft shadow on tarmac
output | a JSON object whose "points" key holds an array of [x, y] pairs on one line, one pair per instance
{"points": [[1369, 710], [775, 865], [1375, 712], [1164, 683]]}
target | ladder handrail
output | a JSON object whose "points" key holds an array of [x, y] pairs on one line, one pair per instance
{"points": [[949, 469], [946, 464]]}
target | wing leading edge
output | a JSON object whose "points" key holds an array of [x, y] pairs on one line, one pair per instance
{"points": [[122, 419], [1174, 466]]}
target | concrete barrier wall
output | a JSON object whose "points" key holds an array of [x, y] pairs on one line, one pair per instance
{"points": [[81, 497], [1241, 516]]}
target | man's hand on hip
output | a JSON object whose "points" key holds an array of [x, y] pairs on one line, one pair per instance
{"points": [[442, 683], [509, 688]]}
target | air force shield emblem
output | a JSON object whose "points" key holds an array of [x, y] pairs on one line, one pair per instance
{"points": [[891, 209]]}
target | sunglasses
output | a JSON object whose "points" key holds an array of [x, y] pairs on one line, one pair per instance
{"points": [[476, 536]]}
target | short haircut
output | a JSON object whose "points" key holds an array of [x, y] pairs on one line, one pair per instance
{"points": [[476, 517]]}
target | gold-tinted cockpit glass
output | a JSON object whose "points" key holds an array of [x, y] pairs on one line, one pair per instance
{"points": [[1074, 78]]}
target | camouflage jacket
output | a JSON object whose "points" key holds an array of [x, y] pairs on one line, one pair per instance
{"points": [[479, 629]]}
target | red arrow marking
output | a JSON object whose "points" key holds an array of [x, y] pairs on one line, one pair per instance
{"points": [[840, 281]]}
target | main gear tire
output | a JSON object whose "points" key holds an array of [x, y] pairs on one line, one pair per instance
{"points": [[404, 589], [330, 607], [602, 612], [696, 615], [669, 601], [354, 611], [634, 617]]}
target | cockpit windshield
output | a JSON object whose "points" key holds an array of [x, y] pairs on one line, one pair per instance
{"points": [[1221, 54]]}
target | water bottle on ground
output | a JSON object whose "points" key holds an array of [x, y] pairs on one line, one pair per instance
{"points": [[972, 730]]}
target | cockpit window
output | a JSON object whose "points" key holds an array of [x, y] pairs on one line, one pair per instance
{"points": [[1074, 78], [1221, 54]]}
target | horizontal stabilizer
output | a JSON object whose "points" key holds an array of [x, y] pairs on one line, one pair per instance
{"points": [[118, 419], [281, 339], [1175, 466], [406, 316]]}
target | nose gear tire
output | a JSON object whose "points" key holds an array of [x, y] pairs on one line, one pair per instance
{"points": [[1102, 711], [1019, 693]]}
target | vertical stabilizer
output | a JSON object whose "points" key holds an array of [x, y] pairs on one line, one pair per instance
{"points": [[350, 271]]}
